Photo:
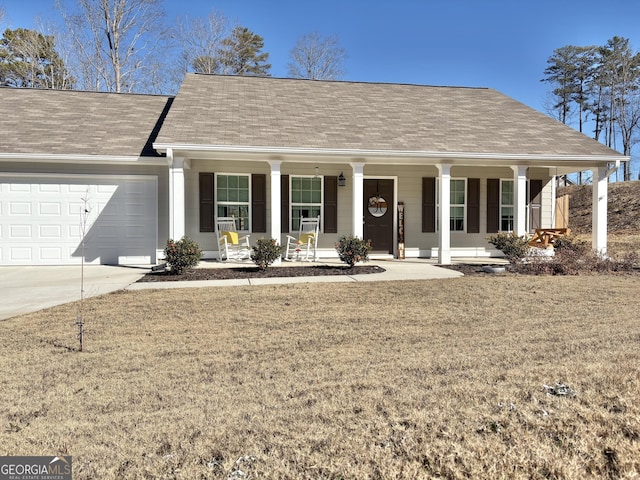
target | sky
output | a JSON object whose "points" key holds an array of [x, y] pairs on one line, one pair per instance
{"points": [[501, 44]]}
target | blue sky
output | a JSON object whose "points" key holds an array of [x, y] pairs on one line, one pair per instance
{"points": [[502, 44]]}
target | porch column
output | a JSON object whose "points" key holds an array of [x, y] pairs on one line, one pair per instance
{"points": [[276, 198], [520, 197], [599, 209], [554, 193], [444, 200], [176, 196], [358, 199]]}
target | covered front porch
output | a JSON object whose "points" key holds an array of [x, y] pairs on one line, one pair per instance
{"points": [[350, 181]]}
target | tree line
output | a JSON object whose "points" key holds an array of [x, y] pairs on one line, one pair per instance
{"points": [[598, 86], [126, 46]]}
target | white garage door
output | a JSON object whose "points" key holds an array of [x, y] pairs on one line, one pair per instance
{"points": [[41, 220]]}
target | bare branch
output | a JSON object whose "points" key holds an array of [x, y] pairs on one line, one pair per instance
{"points": [[115, 42], [317, 58], [200, 40]]}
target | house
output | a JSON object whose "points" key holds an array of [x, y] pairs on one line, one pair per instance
{"points": [[457, 163]]}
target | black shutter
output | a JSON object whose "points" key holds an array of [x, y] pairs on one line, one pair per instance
{"points": [[493, 205], [473, 205], [259, 203], [207, 202], [284, 203], [428, 204], [330, 204]]}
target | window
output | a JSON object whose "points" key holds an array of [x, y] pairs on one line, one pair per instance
{"points": [[306, 199], [457, 199], [457, 205], [232, 199], [506, 205]]}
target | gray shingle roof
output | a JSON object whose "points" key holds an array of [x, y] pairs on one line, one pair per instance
{"points": [[274, 112], [79, 123]]}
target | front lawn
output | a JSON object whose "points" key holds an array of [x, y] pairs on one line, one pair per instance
{"points": [[424, 379]]}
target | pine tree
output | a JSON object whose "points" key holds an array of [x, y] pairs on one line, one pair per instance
{"points": [[241, 54], [29, 59]]}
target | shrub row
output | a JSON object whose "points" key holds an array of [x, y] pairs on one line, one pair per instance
{"points": [[186, 253], [571, 256]]}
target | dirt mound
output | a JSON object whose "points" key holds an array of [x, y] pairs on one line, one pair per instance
{"points": [[623, 207]]}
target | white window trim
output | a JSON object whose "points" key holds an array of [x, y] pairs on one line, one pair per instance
{"points": [[249, 203], [464, 206], [299, 204], [512, 205]]}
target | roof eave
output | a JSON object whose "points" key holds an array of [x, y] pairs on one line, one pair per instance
{"points": [[81, 158], [380, 156]]}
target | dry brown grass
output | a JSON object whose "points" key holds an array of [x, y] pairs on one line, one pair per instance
{"points": [[368, 380]]}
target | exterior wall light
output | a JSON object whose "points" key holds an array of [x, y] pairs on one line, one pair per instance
{"points": [[341, 180]]}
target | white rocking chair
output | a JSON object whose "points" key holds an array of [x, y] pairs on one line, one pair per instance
{"points": [[231, 246], [304, 246]]}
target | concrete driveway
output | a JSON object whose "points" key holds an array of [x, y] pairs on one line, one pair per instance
{"points": [[28, 289]]}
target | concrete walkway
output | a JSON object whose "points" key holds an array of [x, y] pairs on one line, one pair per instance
{"points": [[28, 289]]}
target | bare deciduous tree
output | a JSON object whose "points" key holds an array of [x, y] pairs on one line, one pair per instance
{"points": [[1, 13], [317, 58], [115, 41], [200, 41]]}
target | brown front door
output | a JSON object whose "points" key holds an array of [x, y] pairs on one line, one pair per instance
{"points": [[378, 214]]}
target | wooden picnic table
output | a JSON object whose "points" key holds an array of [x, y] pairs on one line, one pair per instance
{"points": [[543, 237]]}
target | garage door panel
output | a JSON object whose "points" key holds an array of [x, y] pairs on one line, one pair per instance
{"points": [[136, 209], [49, 188], [74, 209], [103, 231], [40, 219], [49, 209], [108, 209], [50, 231], [19, 208], [20, 254], [51, 254], [78, 188], [135, 232], [74, 231], [20, 231], [20, 187]]}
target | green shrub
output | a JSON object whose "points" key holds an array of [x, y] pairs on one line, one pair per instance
{"points": [[185, 253], [513, 246], [352, 250], [265, 252]]}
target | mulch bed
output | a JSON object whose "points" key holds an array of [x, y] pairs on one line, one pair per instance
{"points": [[254, 272]]}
